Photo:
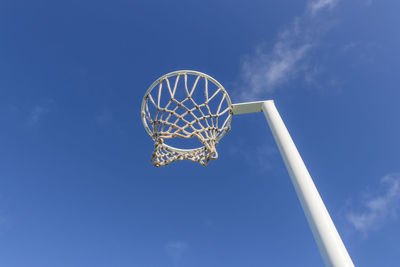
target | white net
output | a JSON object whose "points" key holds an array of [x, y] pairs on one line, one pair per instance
{"points": [[186, 104]]}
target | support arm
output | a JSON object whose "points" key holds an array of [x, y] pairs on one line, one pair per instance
{"points": [[328, 240], [325, 234]]}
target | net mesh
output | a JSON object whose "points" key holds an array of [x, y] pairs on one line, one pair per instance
{"points": [[186, 117]]}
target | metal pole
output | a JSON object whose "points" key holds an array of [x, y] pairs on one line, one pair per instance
{"points": [[325, 234]]}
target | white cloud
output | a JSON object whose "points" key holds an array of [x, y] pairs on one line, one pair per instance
{"points": [[176, 250], [36, 114], [268, 68], [319, 5], [265, 71], [378, 207]]}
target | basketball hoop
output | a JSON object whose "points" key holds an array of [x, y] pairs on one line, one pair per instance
{"points": [[194, 105], [179, 111]]}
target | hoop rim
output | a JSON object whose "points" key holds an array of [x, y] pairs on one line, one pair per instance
{"points": [[182, 72]]}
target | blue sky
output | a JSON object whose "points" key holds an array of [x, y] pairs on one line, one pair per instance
{"points": [[76, 184]]}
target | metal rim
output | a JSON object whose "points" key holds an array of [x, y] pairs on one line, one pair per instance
{"points": [[182, 72]]}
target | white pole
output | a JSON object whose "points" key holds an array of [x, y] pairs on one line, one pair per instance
{"points": [[328, 240]]}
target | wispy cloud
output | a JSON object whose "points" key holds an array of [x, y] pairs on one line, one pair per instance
{"points": [[36, 114], [267, 68], [317, 6], [377, 207], [176, 250]]}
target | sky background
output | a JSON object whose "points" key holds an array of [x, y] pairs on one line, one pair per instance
{"points": [[76, 184]]}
